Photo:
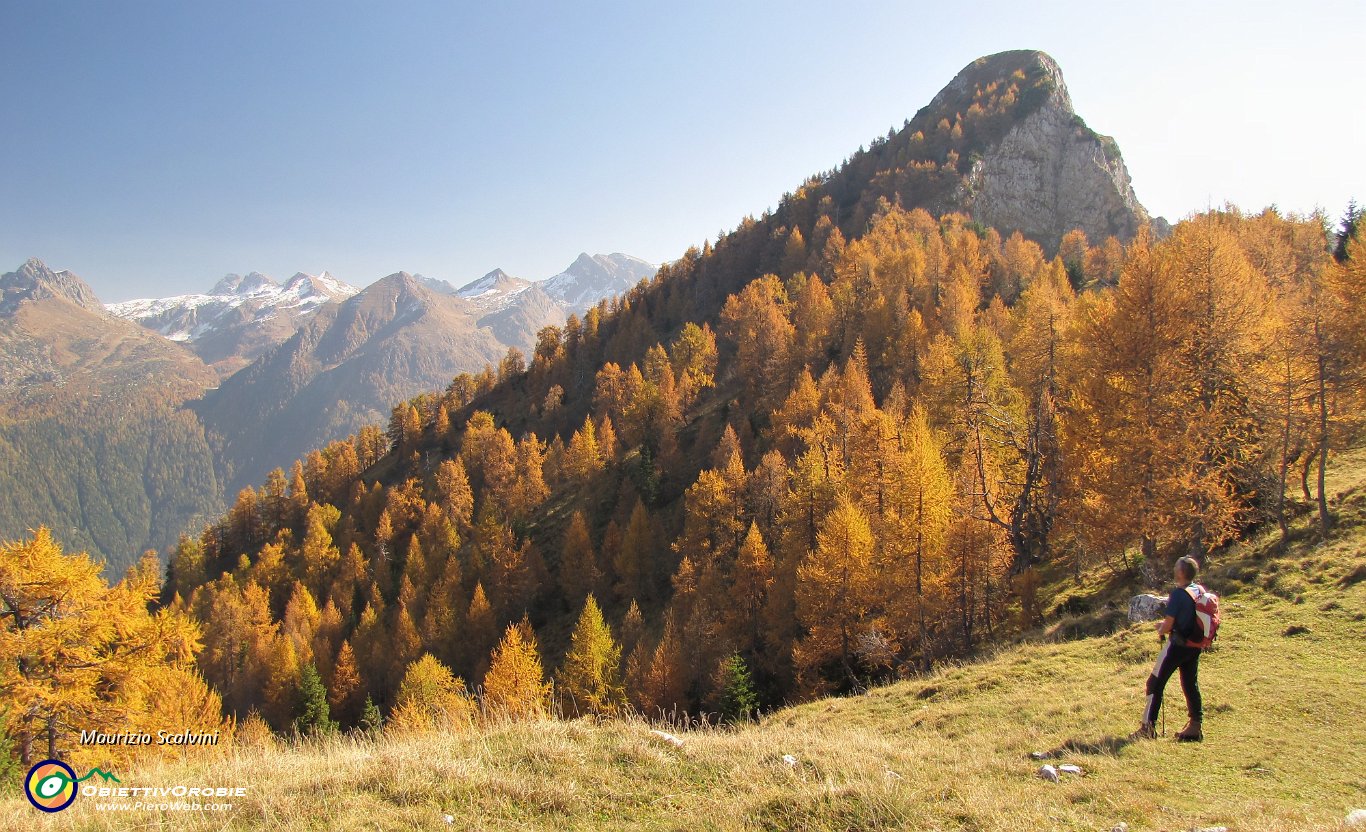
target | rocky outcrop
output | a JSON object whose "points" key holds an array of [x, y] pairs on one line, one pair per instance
{"points": [[1146, 608], [1049, 173], [35, 281]]}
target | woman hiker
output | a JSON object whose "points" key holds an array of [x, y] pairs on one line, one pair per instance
{"points": [[1181, 625]]}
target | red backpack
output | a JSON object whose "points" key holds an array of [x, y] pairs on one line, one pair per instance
{"points": [[1206, 617]]}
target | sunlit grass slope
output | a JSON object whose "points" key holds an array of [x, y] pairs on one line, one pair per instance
{"points": [[1285, 740]]}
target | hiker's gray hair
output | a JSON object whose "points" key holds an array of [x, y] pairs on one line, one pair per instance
{"points": [[1190, 567]]}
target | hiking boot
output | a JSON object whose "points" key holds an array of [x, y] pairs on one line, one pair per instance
{"points": [[1146, 731], [1191, 733]]}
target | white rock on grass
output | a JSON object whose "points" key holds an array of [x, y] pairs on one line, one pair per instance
{"points": [[1070, 769], [790, 760], [1047, 772], [1356, 819], [1146, 608], [1120, 827], [669, 738]]}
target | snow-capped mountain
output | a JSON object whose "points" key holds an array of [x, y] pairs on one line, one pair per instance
{"points": [[436, 284], [239, 318], [515, 309], [494, 290], [590, 279], [243, 316]]}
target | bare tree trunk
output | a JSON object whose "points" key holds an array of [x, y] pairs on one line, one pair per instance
{"points": [[919, 579], [1196, 546], [1325, 519], [1281, 520], [963, 604], [26, 747]]}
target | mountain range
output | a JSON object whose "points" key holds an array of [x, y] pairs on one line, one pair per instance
{"points": [[127, 423], [256, 373], [242, 317], [343, 369], [239, 318]]}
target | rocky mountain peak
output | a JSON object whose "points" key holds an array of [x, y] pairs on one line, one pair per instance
{"points": [[403, 291], [495, 281], [236, 284], [322, 285], [1035, 68], [34, 280], [590, 278], [1048, 172]]}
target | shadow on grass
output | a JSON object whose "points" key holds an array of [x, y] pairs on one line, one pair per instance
{"points": [[1105, 745]]}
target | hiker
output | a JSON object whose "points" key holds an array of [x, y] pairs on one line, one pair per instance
{"points": [[1180, 634]]}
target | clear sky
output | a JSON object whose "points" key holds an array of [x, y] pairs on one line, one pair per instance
{"points": [[152, 147]]}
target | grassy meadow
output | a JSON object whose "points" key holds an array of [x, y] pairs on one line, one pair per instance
{"points": [[1285, 741]]}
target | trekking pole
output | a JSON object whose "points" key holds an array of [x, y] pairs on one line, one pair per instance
{"points": [[1161, 640]]}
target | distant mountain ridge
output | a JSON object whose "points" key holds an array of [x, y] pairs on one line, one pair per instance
{"points": [[243, 316], [60, 345], [344, 369], [240, 318], [94, 438], [123, 423]]}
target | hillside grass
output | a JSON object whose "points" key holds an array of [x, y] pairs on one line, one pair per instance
{"points": [[1285, 738]]}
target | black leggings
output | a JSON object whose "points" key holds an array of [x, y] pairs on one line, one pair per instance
{"points": [[1170, 660]]}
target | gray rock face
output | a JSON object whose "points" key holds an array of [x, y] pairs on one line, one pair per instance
{"points": [[34, 281], [1050, 174], [1146, 608]]}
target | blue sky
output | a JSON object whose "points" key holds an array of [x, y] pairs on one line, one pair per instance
{"points": [[152, 147]]}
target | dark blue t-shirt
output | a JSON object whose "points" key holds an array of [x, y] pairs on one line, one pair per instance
{"points": [[1181, 607]]}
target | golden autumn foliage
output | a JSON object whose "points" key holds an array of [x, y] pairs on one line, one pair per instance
{"points": [[589, 681], [78, 654], [430, 696], [898, 424], [345, 688], [583, 458], [514, 686], [579, 573], [835, 591]]}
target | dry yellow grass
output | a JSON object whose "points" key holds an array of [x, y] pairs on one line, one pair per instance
{"points": [[1285, 727]]}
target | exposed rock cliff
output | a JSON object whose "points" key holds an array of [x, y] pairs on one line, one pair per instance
{"points": [[1001, 143], [1050, 173]]}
